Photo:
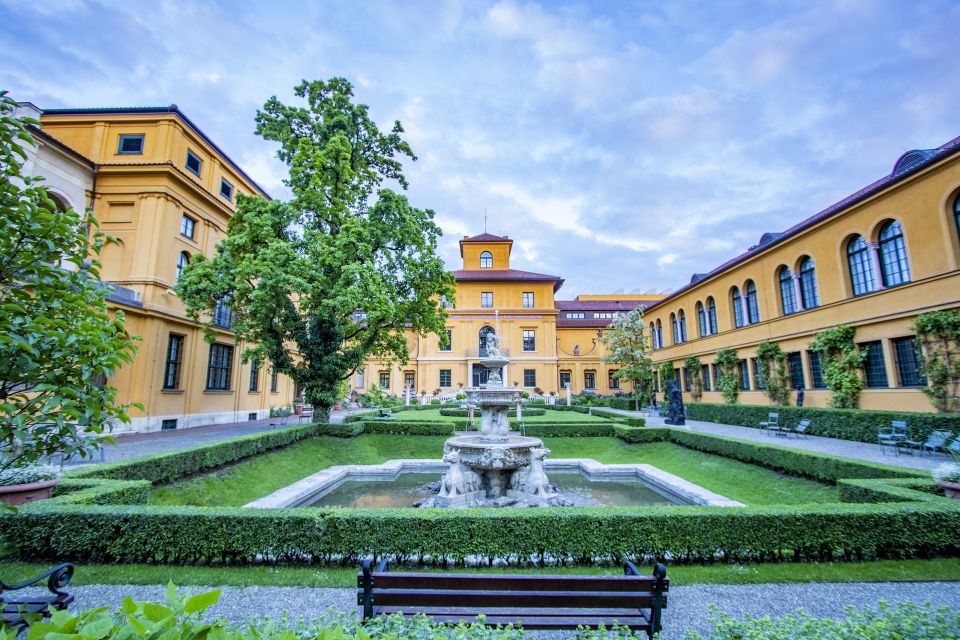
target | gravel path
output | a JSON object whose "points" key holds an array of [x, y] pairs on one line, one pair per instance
{"points": [[687, 610], [833, 446]]}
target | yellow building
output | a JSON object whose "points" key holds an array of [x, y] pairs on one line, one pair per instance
{"points": [[166, 191], [874, 260], [551, 343]]}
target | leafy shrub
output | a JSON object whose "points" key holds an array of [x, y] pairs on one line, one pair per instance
{"points": [[728, 382], [573, 407], [842, 362], [463, 413], [905, 620], [613, 415], [847, 424], [435, 402], [28, 473]]}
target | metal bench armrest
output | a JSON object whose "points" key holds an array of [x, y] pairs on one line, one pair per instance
{"points": [[57, 578]]}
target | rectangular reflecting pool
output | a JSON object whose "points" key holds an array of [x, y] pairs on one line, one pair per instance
{"points": [[408, 488]]}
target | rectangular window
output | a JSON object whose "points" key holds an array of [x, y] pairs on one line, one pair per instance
{"points": [[168, 425], [218, 367], [254, 375], [564, 380], [193, 162], [795, 366], [575, 316], [446, 342], [226, 189], [486, 299], [361, 379], [446, 377], [613, 382], [187, 226], [222, 316], [761, 381], [816, 370], [529, 340], [385, 379], [130, 145], [716, 377], [408, 379], [529, 377], [171, 371], [687, 381], [274, 380], [589, 380], [908, 365], [528, 299], [744, 376], [705, 374], [874, 367]]}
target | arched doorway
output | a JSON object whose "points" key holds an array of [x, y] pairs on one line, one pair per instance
{"points": [[480, 375]]}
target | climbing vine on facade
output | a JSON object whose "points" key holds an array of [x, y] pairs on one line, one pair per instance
{"points": [[841, 361], [692, 367], [729, 383], [666, 373], [772, 368], [939, 335]]}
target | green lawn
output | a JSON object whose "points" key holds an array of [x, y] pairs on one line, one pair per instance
{"points": [[876, 571], [433, 415], [246, 481]]}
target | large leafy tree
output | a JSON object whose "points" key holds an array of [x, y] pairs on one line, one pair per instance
{"points": [[59, 342], [626, 342], [337, 274]]}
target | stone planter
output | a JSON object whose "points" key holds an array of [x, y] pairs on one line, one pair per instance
{"points": [[951, 489], [17, 494]]}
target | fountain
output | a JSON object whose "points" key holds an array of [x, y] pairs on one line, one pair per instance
{"points": [[495, 467]]}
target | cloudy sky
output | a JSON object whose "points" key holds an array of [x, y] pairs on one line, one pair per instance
{"points": [[624, 145]]}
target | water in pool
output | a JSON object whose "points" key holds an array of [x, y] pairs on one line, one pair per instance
{"points": [[410, 487]]}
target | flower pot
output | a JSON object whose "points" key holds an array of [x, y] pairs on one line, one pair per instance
{"points": [[17, 494], [951, 489], [297, 409]]}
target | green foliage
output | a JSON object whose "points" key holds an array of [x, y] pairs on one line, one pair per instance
{"points": [[886, 622], [939, 355], [729, 379], [337, 274], [613, 415], [58, 341], [773, 369], [692, 367], [847, 424], [666, 373], [28, 473], [528, 412], [841, 362], [377, 397], [626, 341]]}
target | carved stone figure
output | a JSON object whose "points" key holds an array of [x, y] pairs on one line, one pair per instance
{"points": [[675, 413], [493, 345], [459, 478], [535, 480]]}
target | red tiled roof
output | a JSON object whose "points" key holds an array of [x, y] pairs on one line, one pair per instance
{"points": [[486, 237], [931, 156], [500, 275], [599, 305], [563, 323]]}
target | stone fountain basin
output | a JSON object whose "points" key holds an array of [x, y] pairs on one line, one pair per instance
{"points": [[479, 452]]}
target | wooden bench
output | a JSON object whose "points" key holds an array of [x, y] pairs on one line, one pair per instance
{"points": [[15, 610], [537, 602]]}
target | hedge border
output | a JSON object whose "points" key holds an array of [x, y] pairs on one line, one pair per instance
{"points": [[889, 512]]}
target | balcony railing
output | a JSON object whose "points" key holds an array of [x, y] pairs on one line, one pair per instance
{"points": [[482, 353]]}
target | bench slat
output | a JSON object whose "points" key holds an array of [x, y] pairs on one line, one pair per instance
{"points": [[483, 598], [636, 622], [511, 582]]}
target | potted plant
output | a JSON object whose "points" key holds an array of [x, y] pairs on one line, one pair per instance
{"points": [[28, 482], [948, 477]]}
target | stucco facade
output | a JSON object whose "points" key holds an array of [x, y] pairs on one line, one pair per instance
{"points": [[874, 261]]}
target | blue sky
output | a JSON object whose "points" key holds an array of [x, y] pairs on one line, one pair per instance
{"points": [[623, 145]]}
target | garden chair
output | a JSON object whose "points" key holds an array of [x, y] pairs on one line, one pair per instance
{"points": [[800, 429], [892, 438], [772, 423], [936, 441], [306, 413], [953, 449]]}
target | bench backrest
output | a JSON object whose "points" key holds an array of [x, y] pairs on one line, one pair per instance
{"points": [[773, 417], [937, 438], [898, 426], [511, 590], [803, 424]]}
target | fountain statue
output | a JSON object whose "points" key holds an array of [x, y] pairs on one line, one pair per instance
{"points": [[495, 467]]}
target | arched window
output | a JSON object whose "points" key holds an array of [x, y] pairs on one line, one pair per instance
{"points": [[808, 284], [894, 267], [182, 261], [659, 335], [653, 336], [675, 328], [683, 326], [861, 266], [712, 315], [486, 260], [753, 307], [737, 301], [788, 294], [702, 320], [956, 213], [484, 332]]}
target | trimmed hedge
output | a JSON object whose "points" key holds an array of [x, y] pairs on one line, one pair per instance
{"points": [[535, 429], [563, 407], [847, 424], [463, 413], [613, 415]]}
